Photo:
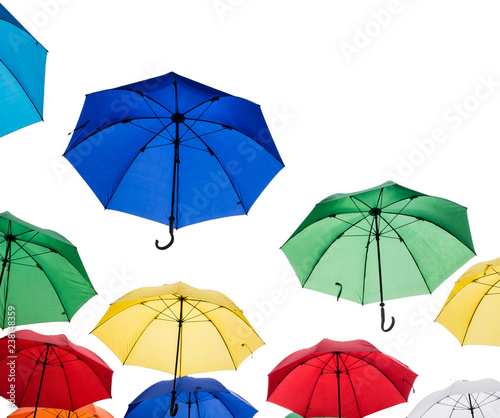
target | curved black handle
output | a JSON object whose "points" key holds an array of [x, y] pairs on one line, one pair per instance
{"points": [[382, 313], [171, 231], [173, 409], [340, 291], [157, 243], [173, 406]]}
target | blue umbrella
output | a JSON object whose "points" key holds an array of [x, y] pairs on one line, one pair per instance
{"points": [[174, 151], [22, 75], [195, 398]]}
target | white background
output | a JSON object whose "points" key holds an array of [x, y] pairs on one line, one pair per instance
{"points": [[352, 91]]}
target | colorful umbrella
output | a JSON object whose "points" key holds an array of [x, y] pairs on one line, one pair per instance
{"points": [[178, 329], [42, 278], [22, 75], [174, 151], [348, 379], [89, 411], [472, 311], [51, 372], [197, 398], [383, 243], [463, 399]]}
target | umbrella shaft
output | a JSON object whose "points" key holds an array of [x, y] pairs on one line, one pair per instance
{"points": [[377, 238], [41, 378], [338, 384]]}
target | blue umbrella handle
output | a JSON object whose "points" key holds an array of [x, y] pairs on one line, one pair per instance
{"points": [[382, 313], [171, 230]]}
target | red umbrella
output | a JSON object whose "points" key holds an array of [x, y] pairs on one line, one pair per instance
{"points": [[347, 379], [51, 372]]}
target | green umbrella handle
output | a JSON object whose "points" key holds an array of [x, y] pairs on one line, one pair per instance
{"points": [[171, 230], [382, 313]]}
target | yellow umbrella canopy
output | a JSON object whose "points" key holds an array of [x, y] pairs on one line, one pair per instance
{"points": [[178, 329], [472, 311], [89, 411]]}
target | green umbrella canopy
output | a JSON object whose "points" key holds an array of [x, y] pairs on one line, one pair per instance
{"points": [[42, 278], [382, 243]]}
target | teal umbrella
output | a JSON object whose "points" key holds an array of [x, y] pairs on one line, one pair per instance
{"points": [[22, 75], [378, 244], [42, 278]]}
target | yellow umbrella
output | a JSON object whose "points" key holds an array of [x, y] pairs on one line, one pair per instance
{"points": [[472, 311], [89, 411], [178, 329]]}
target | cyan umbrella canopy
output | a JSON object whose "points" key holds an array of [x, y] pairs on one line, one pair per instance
{"points": [[195, 397], [174, 151], [22, 75]]}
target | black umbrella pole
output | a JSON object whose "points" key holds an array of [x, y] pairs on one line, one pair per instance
{"points": [[338, 384], [382, 304], [173, 406], [41, 379], [174, 184]]}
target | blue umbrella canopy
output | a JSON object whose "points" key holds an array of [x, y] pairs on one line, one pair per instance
{"points": [[22, 75], [195, 398], [173, 150]]}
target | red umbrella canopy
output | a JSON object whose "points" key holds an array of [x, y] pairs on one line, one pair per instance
{"points": [[348, 379], [50, 371]]}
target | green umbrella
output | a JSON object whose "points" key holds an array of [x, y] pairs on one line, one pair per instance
{"points": [[383, 243], [42, 278]]}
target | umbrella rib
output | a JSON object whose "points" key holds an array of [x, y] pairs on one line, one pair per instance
{"points": [[220, 334], [353, 354], [130, 165], [314, 387], [22, 87], [65, 378], [121, 121], [46, 275], [6, 295], [212, 99], [475, 310], [205, 134], [240, 132], [145, 95], [352, 385], [411, 255], [171, 139], [397, 214], [137, 340], [223, 168], [326, 250], [198, 118], [32, 371]]}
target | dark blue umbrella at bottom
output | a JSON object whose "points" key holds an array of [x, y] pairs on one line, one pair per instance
{"points": [[195, 397]]}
